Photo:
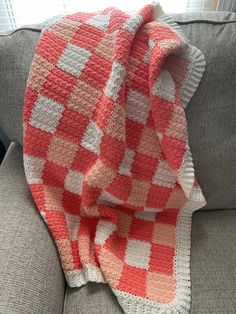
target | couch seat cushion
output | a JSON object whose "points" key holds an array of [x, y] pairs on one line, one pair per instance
{"points": [[31, 278]]}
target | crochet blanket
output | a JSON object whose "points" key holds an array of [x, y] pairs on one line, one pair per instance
{"points": [[106, 152]]}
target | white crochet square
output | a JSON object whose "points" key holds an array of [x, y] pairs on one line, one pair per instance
{"points": [[73, 222], [138, 253], [148, 216], [46, 114], [92, 138], [137, 107], [132, 23], [164, 175], [103, 231], [109, 199], [146, 57], [74, 182], [33, 169], [99, 21], [164, 86], [115, 80], [152, 210], [126, 164], [74, 59]]}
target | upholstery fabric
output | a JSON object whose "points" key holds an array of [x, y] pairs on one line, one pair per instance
{"points": [[16, 54], [31, 279], [211, 114], [213, 271], [209, 17]]}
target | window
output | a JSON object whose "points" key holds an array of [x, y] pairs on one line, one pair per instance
{"points": [[15, 13]]}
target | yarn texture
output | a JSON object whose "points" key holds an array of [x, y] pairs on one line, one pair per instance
{"points": [[106, 152]]}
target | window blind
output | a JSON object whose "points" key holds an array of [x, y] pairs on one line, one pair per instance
{"points": [[200, 5], [7, 20]]}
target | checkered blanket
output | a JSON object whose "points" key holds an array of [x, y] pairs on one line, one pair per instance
{"points": [[106, 152]]}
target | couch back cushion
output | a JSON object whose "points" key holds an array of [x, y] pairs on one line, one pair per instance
{"points": [[16, 54], [211, 114]]}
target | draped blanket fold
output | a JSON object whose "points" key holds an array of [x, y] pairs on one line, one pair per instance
{"points": [[106, 152]]}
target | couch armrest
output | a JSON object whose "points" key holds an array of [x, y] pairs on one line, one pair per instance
{"points": [[31, 278]]}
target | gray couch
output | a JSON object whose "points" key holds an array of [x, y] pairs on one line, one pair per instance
{"points": [[31, 279]]}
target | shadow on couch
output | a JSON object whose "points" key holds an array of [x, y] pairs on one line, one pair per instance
{"points": [[2, 151]]}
